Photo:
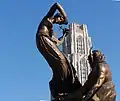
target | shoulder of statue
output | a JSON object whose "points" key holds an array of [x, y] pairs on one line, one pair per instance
{"points": [[45, 20], [104, 67]]}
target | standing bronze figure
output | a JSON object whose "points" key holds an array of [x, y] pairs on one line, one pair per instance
{"points": [[64, 79]]}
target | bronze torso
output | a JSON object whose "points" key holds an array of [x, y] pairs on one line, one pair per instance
{"points": [[45, 27]]}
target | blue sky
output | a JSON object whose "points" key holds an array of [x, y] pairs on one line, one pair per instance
{"points": [[24, 73]]}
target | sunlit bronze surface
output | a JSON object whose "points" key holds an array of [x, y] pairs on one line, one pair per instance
{"points": [[64, 79], [65, 85], [99, 86]]}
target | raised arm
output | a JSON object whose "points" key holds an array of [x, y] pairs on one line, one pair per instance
{"points": [[52, 10], [55, 7], [61, 10]]}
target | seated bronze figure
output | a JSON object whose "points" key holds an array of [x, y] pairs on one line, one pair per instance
{"points": [[99, 86]]}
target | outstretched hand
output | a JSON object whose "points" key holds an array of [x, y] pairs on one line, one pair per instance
{"points": [[64, 22], [66, 31]]}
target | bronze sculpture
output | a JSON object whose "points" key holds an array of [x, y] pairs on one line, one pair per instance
{"points": [[99, 86], [103, 85], [65, 85], [63, 72]]}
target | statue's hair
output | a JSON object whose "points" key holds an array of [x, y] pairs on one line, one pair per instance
{"points": [[97, 55]]}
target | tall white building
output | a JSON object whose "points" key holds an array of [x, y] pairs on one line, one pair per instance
{"points": [[76, 47]]}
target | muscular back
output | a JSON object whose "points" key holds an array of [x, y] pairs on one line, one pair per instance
{"points": [[103, 87], [45, 27]]}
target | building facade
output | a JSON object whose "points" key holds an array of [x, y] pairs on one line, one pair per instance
{"points": [[77, 46]]}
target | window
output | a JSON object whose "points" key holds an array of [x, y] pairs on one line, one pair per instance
{"points": [[68, 44], [80, 45]]}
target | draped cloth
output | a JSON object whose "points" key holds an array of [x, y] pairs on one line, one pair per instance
{"points": [[64, 75]]}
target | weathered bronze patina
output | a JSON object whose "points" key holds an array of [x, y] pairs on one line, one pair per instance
{"points": [[65, 85], [99, 86], [64, 79]]}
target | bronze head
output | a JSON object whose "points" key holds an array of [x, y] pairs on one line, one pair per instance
{"points": [[96, 57], [59, 19]]}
